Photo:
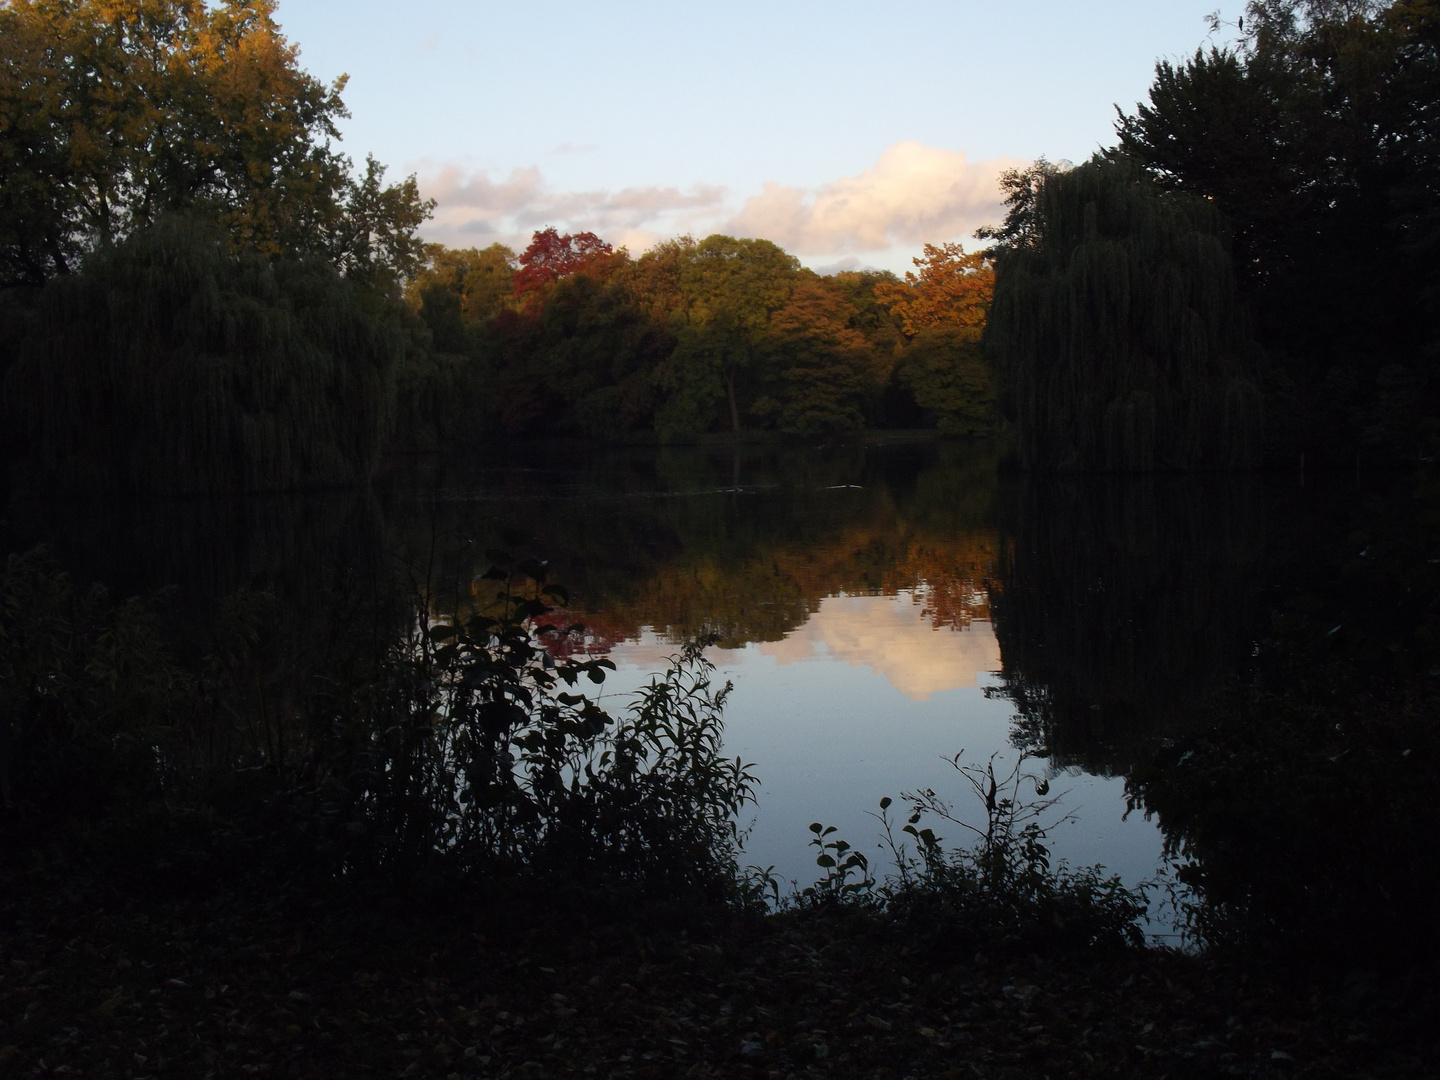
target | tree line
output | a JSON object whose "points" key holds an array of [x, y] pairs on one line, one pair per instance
{"points": [[1249, 274], [200, 292], [721, 334]]}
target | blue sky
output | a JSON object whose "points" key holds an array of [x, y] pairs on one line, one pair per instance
{"points": [[850, 133]]}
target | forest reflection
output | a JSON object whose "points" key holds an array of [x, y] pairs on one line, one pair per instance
{"points": [[1121, 603], [738, 549], [1115, 601], [861, 597]]}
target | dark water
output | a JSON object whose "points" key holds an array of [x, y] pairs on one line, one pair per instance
{"points": [[879, 608]]}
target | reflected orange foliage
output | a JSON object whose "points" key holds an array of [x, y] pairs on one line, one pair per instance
{"points": [[765, 597]]}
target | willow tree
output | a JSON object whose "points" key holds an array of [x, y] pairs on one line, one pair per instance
{"points": [[174, 364], [1115, 330]]}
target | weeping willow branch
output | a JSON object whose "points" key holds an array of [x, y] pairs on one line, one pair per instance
{"points": [[173, 365], [1116, 334]]}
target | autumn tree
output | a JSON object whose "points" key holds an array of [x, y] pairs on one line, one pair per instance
{"points": [[942, 311], [953, 289], [730, 289], [551, 256], [819, 370], [113, 114]]}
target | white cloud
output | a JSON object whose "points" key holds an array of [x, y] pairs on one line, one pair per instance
{"points": [[471, 209], [913, 195]]}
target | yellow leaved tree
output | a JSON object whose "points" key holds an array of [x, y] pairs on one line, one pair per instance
{"points": [[942, 312]]}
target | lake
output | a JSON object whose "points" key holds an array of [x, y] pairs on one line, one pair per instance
{"points": [[883, 608], [879, 608]]}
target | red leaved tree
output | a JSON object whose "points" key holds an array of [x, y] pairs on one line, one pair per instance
{"points": [[551, 257]]}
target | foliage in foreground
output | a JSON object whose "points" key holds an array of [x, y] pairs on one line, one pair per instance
{"points": [[477, 755], [999, 891], [467, 751], [462, 750]]}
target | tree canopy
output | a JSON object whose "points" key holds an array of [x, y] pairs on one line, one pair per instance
{"points": [[145, 140], [1316, 138], [197, 290], [1116, 332], [113, 114]]}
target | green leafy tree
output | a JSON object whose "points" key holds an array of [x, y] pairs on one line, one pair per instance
{"points": [[945, 370], [113, 114], [598, 350], [479, 281], [1116, 333], [172, 364], [1315, 136], [730, 289]]}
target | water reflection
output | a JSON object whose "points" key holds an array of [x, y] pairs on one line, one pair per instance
{"points": [[891, 636], [849, 591], [1121, 603]]}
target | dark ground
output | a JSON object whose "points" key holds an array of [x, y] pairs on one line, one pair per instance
{"points": [[277, 980]]}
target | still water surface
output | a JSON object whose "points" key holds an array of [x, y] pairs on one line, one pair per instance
{"points": [[855, 594], [878, 608]]}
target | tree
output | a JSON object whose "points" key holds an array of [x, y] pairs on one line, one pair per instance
{"points": [[942, 311], [551, 257], [597, 352], [730, 289], [1022, 195], [952, 289], [170, 364], [480, 280], [1116, 333], [114, 113], [945, 371], [1316, 137], [819, 370]]}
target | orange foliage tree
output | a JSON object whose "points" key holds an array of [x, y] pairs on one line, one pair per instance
{"points": [[116, 112], [953, 289], [942, 312]]}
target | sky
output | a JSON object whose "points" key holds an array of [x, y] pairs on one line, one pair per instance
{"points": [[850, 134]]}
